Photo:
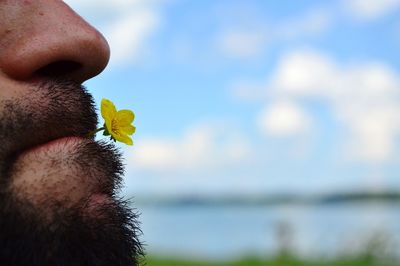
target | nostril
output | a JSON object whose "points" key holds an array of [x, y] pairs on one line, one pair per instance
{"points": [[59, 69]]}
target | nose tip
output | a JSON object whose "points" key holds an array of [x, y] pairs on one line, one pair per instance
{"points": [[55, 43]]}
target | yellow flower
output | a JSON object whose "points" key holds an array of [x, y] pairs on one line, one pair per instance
{"points": [[117, 123]]}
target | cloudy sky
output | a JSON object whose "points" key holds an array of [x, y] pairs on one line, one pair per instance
{"points": [[254, 96]]}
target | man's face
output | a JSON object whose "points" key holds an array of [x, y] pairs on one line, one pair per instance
{"points": [[58, 203]]}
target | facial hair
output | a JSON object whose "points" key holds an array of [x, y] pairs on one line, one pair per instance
{"points": [[38, 228]]}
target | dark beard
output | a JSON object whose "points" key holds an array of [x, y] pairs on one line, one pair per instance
{"points": [[70, 239], [72, 236]]}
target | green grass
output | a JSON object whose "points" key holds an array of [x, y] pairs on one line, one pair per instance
{"points": [[285, 261]]}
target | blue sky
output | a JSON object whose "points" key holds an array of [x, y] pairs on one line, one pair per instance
{"points": [[252, 96]]}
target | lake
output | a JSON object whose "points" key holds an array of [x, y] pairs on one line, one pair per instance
{"points": [[222, 232]]}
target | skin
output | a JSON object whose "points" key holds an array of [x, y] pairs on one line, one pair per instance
{"points": [[35, 34], [58, 188]]}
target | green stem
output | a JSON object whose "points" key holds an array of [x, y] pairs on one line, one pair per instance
{"points": [[94, 132]]}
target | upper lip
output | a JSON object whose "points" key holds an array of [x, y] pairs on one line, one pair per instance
{"points": [[50, 141], [42, 141]]}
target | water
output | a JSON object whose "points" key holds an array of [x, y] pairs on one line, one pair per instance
{"points": [[226, 232]]}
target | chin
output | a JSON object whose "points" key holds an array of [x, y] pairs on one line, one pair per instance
{"points": [[71, 238]]}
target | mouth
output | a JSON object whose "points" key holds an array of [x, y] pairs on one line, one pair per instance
{"points": [[55, 110], [46, 154], [51, 144]]}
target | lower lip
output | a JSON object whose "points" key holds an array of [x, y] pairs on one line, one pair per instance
{"points": [[53, 143]]}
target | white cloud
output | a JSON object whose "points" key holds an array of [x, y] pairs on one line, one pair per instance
{"points": [[248, 91], [364, 100], [284, 119], [201, 148], [313, 22], [100, 6], [374, 131], [128, 34], [248, 42], [242, 44], [311, 74], [126, 24], [303, 74], [371, 9]]}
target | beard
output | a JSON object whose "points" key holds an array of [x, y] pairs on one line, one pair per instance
{"points": [[47, 212]]}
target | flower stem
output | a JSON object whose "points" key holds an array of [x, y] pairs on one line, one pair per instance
{"points": [[94, 132]]}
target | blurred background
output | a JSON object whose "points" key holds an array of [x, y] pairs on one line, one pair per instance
{"points": [[268, 132]]}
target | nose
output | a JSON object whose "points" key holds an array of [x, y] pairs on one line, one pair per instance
{"points": [[47, 38]]}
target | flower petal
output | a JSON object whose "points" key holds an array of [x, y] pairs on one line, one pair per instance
{"points": [[118, 123], [128, 130], [108, 110], [125, 117], [122, 138], [108, 125]]}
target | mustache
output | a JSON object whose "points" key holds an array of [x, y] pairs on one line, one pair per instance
{"points": [[50, 110]]}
